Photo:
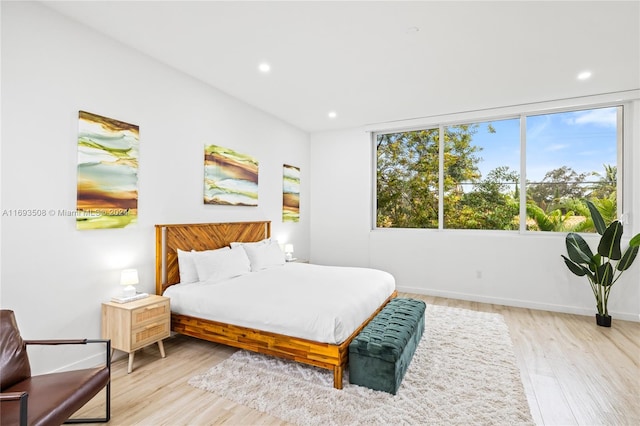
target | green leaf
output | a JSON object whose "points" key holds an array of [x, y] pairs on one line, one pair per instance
{"points": [[596, 260], [540, 217], [610, 242], [604, 274], [635, 241], [627, 258], [598, 221], [578, 249], [579, 270]]}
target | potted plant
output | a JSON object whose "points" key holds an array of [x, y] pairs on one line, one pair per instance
{"points": [[605, 267]]}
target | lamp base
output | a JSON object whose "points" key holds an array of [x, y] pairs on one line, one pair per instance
{"points": [[129, 291]]}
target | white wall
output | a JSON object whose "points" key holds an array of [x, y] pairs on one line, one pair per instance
{"points": [[497, 267], [54, 276]]}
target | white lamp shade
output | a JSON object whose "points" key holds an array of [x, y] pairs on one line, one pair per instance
{"points": [[129, 277]]}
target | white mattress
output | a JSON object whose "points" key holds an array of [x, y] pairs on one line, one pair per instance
{"points": [[320, 303]]}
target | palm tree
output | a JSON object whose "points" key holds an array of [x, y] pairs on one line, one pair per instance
{"points": [[607, 184], [554, 221]]}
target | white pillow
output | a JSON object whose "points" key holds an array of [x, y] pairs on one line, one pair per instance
{"points": [[186, 267], [257, 243], [265, 255], [221, 264]]}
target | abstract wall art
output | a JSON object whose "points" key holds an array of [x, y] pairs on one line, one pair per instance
{"points": [[107, 188], [290, 194], [230, 178]]}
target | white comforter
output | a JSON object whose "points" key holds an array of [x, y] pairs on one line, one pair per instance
{"points": [[319, 303]]}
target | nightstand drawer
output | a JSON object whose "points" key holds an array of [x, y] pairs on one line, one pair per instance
{"points": [[150, 314], [142, 336]]}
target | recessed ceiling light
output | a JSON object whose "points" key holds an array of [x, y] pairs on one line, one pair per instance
{"points": [[332, 114], [584, 75], [264, 67], [412, 30]]}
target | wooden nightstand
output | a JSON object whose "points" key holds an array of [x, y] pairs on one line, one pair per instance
{"points": [[134, 325]]}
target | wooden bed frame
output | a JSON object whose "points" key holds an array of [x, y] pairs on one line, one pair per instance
{"points": [[208, 236]]}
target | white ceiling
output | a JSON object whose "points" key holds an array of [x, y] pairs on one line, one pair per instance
{"points": [[366, 61]]}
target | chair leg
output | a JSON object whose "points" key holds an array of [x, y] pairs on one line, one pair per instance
{"points": [[107, 415], [104, 419], [24, 401]]}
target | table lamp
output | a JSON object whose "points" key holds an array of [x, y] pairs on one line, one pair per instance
{"points": [[288, 252], [129, 278]]}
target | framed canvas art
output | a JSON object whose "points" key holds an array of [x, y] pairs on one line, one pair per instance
{"points": [[230, 178], [107, 188], [290, 194]]}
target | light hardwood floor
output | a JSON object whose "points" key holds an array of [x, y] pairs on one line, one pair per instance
{"points": [[573, 372]]}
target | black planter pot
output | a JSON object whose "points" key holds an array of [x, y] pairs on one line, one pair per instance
{"points": [[603, 320]]}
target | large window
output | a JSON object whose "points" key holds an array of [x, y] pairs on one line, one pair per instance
{"points": [[473, 179], [482, 175], [571, 156], [407, 179]]}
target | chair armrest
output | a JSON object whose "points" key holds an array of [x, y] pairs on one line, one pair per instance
{"points": [[12, 396], [107, 342], [17, 396], [56, 342]]}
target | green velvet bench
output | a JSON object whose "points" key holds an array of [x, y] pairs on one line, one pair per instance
{"points": [[381, 353]]}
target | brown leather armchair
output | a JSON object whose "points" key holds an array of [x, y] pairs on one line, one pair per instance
{"points": [[47, 399]]}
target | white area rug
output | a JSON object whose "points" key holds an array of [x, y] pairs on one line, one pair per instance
{"points": [[463, 373]]}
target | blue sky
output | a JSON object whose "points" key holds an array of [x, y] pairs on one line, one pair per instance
{"points": [[582, 140]]}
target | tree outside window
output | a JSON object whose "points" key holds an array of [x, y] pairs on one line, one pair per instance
{"points": [[571, 157]]}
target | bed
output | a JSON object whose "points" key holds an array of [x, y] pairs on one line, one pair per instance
{"points": [[305, 346]]}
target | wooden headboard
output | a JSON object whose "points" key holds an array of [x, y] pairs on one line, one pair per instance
{"points": [[199, 236]]}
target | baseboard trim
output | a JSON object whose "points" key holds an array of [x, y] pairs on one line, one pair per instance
{"points": [[577, 310]]}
